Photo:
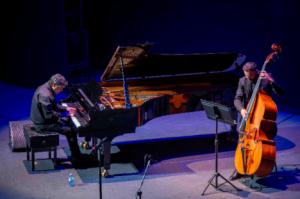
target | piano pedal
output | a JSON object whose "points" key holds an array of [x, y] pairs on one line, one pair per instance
{"points": [[85, 145]]}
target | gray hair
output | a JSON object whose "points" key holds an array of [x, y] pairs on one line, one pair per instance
{"points": [[58, 80]]}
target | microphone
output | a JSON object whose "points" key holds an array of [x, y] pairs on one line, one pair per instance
{"points": [[94, 150], [149, 158], [97, 146]]}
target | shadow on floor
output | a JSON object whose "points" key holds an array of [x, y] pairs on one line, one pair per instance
{"points": [[285, 178]]}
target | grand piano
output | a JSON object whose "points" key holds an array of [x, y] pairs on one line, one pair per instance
{"points": [[153, 85]]}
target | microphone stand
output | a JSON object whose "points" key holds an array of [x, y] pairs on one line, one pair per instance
{"points": [[147, 158], [99, 148]]}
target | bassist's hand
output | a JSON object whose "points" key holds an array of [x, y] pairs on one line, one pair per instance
{"points": [[267, 76], [243, 112]]}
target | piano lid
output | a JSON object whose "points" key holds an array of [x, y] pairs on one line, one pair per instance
{"points": [[140, 64]]}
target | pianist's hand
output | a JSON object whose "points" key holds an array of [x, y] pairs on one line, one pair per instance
{"points": [[72, 111]]}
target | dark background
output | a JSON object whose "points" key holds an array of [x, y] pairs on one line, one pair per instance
{"points": [[77, 37]]}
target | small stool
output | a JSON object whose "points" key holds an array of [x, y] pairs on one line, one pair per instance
{"points": [[39, 142]]}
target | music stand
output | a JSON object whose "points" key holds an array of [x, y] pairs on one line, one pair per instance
{"points": [[218, 112]]}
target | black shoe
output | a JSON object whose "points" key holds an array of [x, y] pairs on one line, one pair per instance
{"points": [[236, 176], [85, 145]]}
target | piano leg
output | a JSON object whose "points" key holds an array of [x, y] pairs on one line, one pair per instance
{"points": [[106, 158], [104, 146], [106, 154]]}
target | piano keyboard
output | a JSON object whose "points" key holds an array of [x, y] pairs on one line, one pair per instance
{"points": [[81, 118], [75, 121]]}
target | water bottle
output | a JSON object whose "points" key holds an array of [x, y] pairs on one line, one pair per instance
{"points": [[71, 180]]}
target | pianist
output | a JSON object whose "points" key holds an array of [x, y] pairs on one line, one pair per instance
{"points": [[46, 115]]}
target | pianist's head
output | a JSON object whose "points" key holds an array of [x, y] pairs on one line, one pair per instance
{"points": [[58, 83], [250, 70]]}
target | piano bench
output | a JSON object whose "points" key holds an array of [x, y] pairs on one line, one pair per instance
{"points": [[40, 142]]}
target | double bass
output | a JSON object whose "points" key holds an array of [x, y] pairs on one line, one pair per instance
{"points": [[256, 150]]}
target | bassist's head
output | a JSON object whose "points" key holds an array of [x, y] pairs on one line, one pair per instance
{"points": [[250, 70]]}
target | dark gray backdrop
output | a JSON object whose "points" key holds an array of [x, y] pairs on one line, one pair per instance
{"points": [[42, 37]]}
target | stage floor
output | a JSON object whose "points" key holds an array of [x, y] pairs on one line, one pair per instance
{"points": [[182, 170]]}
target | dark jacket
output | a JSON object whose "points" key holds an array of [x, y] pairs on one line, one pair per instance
{"points": [[44, 110], [246, 87]]}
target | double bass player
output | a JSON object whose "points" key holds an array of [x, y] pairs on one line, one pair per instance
{"points": [[245, 88]]}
